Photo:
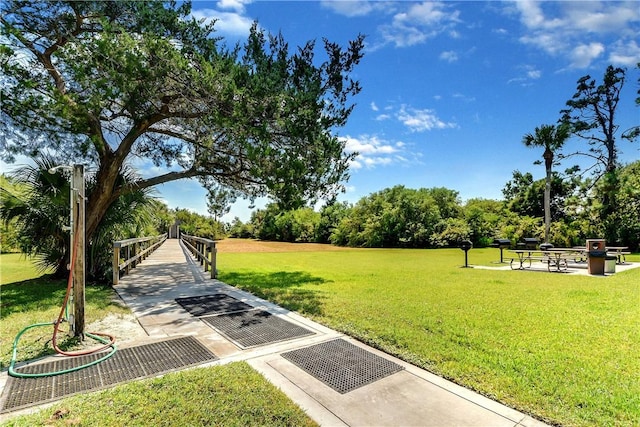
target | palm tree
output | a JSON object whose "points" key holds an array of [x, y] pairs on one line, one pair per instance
{"points": [[39, 203], [552, 138]]}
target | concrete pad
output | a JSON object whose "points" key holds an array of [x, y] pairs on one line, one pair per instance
{"points": [[403, 398]]}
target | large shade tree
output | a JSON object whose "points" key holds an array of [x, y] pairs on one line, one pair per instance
{"points": [[551, 138], [591, 114], [104, 82]]}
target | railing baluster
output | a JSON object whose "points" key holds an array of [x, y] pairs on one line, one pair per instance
{"points": [[142, 247], [203, 250]]}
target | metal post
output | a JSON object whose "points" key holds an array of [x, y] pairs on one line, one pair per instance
{"points": [[77, 185]]}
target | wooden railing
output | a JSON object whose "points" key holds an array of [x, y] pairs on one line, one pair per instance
{"points": [[204, 251], [130, 252]]}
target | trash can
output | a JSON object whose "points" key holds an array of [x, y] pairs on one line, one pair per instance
{"points": [[610, 264], [596, 253]]}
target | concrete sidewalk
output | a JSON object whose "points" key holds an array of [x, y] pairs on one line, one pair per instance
{"points": [[410, 397]]}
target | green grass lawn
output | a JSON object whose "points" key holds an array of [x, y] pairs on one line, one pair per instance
{"points": [[563, 348], [17, 267]]}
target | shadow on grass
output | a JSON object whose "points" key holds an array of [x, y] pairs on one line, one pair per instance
{"points": [[283, 288], [45, 292], [39, 301]]}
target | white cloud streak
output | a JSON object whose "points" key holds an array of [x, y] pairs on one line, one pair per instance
{"points": [[420, 22], [578, 30], [421, 120], [373, 151], [226, 22]]}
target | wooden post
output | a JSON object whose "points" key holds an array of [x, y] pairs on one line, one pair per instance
{"points": [[136, 252], [213, 251], [116, 264], [79, 266], [128, 267]]}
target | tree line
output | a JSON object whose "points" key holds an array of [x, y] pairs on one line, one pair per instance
{"points": [[436, 217]]}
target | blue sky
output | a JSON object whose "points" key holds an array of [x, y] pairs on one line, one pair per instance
{"points": [[449, 88]]}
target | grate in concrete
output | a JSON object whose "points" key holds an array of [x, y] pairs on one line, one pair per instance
{"points": [[212, 304], [126, 364], [341, 365], [254, 328]]}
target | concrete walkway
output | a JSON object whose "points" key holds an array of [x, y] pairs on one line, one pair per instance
{"points": [[411, 397]]}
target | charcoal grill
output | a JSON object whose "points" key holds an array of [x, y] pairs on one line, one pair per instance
{"points": [[466, 245], [501, 244], [529, 243]]}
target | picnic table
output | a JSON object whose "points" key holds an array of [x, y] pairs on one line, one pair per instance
{"points": [[556, 258], [619, 252]]}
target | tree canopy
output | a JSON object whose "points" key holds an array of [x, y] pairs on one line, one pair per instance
{"points": [[103, 82]]}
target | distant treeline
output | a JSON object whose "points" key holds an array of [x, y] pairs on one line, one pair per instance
{"points": [[435, 217]]}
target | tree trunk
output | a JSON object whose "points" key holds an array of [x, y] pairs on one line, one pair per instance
{"points": [[548, 160], [101, 197], [547, 207]]}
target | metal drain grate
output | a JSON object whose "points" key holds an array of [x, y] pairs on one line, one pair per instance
{"points": [[254, 328], [341, 365], [212, 304], [126, 364]]}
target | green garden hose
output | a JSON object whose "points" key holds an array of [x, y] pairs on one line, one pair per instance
{"points": [[14, 355], [64, 316]]}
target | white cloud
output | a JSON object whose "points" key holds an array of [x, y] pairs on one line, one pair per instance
{"points": [[625, 54], [352, 8], [530, 73], [382, 117], [580, 31], [601, 17], [237, 5], [533, 17], [419, 22], [582, 55], [368, 145], [550, 43], [464, 97], [374, 107], [534, 74], [373, 151], [226, 22], [421, 120], [449, 56]]}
